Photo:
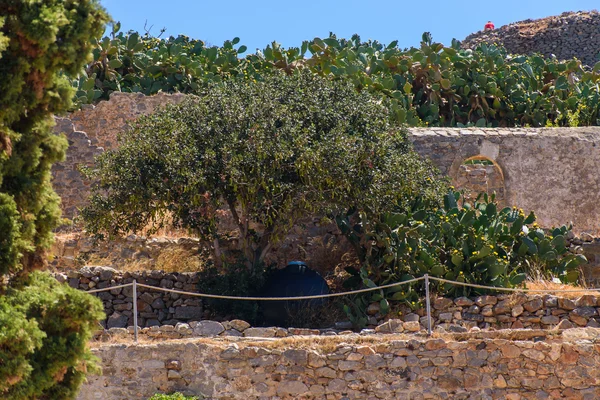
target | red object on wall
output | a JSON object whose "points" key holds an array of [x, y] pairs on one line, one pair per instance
{"points": [[489, 26]]}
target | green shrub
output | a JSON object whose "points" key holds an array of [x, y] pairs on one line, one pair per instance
{"points": [[44, 334], [44, 326], [465, 243], [272, 151]]}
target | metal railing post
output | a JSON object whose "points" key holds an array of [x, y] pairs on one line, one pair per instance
{"points": [[135, 312], [427, 304]]}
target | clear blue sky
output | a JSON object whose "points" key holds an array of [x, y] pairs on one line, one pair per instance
{"points": [[259, 22]]}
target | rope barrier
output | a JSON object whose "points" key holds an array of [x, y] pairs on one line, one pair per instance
{"points": [[522, 290], [426, 278], [318, 296], [431, 278], [109, 288]]}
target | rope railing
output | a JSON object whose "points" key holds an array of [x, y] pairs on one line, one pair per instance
{"points": [[521, 290], [425, 278]]}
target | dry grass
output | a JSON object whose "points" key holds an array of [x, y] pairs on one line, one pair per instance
{"points": [[177, 259], [170, 259], [167, 231], [543, 285]]}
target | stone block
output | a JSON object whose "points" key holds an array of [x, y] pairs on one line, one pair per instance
{"points": [[260, 332], [117, 320], [207, 328], [188, 313]]}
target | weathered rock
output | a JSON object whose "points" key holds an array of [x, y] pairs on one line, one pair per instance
{"points": [[291, 388], [517, 310], [550, 320], [117, 320], [566, 304], [260, 332], [558, 36], [390, 326], [463, 302], [207, 328], [239, 325], [564, 324], [442, 303], [373, 308], [486, 300], [586, 301], [188, 313], [412, 326], [456, 328], [585, 312], [533, 305]]}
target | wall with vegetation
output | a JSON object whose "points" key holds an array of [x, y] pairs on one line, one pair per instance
{"points": [[569, 35], [351, 368], [549, 170]]}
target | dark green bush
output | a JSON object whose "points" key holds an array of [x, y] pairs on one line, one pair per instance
{"points": [[45, 329]]}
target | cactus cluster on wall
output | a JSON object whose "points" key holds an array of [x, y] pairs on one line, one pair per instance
{"points": [[432, 85]]}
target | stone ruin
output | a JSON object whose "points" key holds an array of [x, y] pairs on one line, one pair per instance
{"points": [[569, 35]]}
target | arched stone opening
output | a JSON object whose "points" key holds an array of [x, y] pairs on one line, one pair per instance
{"points": [[480, 174]]}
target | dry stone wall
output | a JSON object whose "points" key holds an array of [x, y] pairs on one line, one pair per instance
{"points": [[569, 35], [376, 368], [502, 311], [552, 171], [92, 130]]}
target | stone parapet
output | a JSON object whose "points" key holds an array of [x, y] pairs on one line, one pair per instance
{"points": [[392, 367]]}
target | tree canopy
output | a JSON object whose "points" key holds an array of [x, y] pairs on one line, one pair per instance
{"points": [[271, 151]]}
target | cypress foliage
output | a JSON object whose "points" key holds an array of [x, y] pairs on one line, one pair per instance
{"points": [[42, 42], [44, 325]]}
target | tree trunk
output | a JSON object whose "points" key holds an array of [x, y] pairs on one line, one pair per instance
{"points": [[218, 256]]}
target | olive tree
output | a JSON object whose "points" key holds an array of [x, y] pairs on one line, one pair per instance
{"points": [[271, 152]]}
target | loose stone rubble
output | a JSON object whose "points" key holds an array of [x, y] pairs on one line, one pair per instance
{"points": [[569, 35]]}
